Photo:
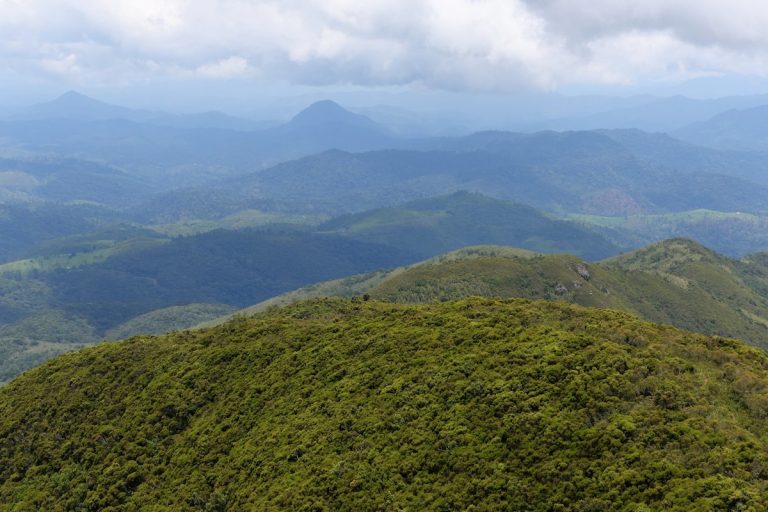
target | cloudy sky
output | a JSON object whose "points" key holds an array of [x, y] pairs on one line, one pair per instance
{"points": [[458, 45]]}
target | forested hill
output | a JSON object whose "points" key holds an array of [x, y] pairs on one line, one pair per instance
{"points": [[350, 405], [675, 281]]}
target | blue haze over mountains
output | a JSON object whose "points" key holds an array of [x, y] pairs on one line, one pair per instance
{"points": [[613, 147], [150, 166]]}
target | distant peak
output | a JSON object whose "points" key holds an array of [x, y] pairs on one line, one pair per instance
{"points": [[326, 105], [70, 100], [328, 111], [74, 96], [78, 106], [323, 108]]}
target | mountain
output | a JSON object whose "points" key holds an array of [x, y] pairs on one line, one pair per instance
{"points": [[742, 129], [593, 172], [325, 125], [75, 106], [352, 405], [174, 151], [657, 114], [664, 151], [586, 172], [68, 180], [326, 112], [432, 226], [167, 157], [676, 281]]}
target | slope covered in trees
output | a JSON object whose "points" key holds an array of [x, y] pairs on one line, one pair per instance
{"points": [[676, 281], [440, 224], [351, 405]]}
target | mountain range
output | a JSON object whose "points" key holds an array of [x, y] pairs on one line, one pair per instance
{"points": [[192, 148], [329, 313], [575, 172], [131, 280], [599, 172]]}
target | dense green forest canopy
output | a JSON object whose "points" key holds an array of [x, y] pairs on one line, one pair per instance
{"points": [[351, 405]]}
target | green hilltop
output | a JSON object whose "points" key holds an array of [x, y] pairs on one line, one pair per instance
{"points": [[437, 225], [676, 281], [339, 404]]}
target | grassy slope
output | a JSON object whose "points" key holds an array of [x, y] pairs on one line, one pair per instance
{"points": [[699, 295], [677, 282], [364, 283], [344, 405]]}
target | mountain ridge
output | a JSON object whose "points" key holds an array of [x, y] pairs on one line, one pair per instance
{"points": [[677, 282], [738, 129], [76, 106]]}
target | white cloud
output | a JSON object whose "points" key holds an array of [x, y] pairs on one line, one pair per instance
{"points": [[64, 65], [453, 44], [226, 68]]}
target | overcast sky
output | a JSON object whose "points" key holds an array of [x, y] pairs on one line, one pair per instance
{"points": [[460, 45]]}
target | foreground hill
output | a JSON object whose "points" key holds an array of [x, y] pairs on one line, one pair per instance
{"points": [[344, 405], [676, 282]]}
